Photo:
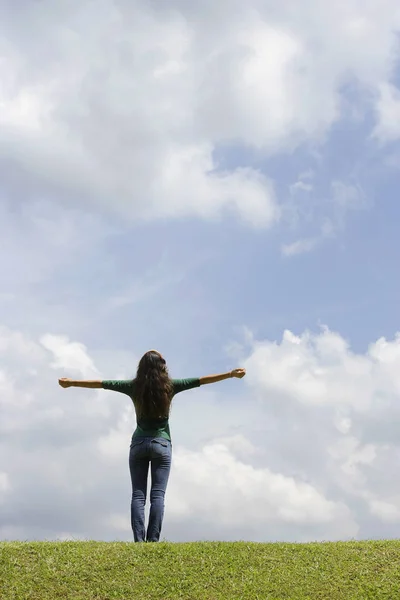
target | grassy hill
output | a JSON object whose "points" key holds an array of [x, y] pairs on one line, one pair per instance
{"points": [[199, 571]]}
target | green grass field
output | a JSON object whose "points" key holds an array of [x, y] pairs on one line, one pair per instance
{"points": [[197, 571]]}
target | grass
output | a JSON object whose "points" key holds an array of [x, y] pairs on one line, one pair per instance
{"points": [[199, 571]]}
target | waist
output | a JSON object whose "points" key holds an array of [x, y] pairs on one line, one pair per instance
{"points": [[152, 424], [161, 432]]}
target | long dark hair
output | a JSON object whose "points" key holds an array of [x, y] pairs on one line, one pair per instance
{"points": [[153, 387]]}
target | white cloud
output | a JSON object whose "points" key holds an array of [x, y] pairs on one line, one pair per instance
{"points": [[388, 109], [117, 125], [238, 445], [69, 356], [241, 493], [126, 108], [340, 405], [322, 370], [114, 443], [301, 464], [15, 345], [299, 247]]}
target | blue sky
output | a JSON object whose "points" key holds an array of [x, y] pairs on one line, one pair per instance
{"points": [[202, 181]]}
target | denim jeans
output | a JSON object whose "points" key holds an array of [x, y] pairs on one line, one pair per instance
{"points": [[143, 452]]}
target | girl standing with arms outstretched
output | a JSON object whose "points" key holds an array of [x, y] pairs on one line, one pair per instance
{"points": [[151, 392]]}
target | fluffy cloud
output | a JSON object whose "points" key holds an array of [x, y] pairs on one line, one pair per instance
{"points": [[110, 115], [246, 496], [388, 108], [126, 104], [70, 356], [338, 406], [307, 464], [321, 370]]}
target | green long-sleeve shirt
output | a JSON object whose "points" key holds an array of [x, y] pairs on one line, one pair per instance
{"points": [[150, 427]]}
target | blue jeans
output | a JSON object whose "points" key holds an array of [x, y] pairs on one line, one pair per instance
{"points": [[158, 452]]}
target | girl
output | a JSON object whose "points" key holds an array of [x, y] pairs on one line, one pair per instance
{"points": [[151, 392]]}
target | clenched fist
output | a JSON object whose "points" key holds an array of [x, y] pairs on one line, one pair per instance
{"points": [[239, 373]]}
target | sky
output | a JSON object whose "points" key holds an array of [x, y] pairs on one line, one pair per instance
{"points": [[217, 180]]}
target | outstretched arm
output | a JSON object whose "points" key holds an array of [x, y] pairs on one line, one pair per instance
{"points": [[238, 373], [65, 383]]}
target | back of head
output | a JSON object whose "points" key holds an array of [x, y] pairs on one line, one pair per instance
{"points": [[153, 387]]}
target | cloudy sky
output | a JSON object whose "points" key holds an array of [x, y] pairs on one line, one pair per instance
{"points": [[218, 180]]}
